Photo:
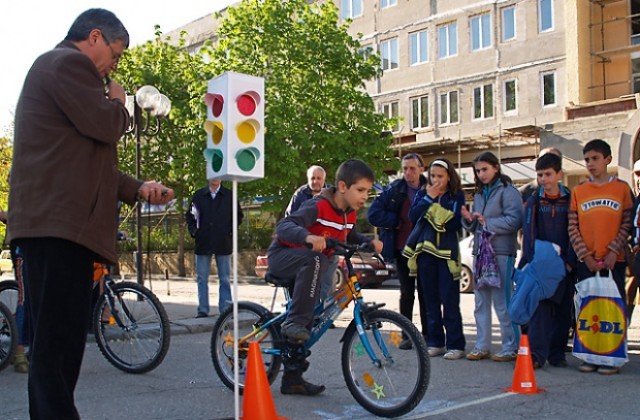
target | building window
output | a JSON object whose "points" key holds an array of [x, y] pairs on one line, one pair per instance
{"points": [[418, 45], [447, 40], [545, 15], [635, 23], [480, 32], [389, 54], [351, 9], [449, 107], [390, 110], [510, 99], [508, 23], [420, 112], [548, 89], [635, 72], [387, 3], [483, 102]]}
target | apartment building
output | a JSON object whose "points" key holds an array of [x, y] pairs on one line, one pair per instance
{"points": [[510, 76]]}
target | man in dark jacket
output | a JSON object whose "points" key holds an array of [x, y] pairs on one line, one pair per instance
{"points": [[63, 197], [316, 176], [210, 222], [389, 212]]}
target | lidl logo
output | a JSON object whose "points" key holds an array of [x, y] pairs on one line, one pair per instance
{"points": [[601, 325]]}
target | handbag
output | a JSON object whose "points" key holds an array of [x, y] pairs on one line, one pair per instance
{"points": [[601, 323], [486, 271]]}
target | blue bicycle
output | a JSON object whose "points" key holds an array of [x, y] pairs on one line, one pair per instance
{"points": [[384, 378]]}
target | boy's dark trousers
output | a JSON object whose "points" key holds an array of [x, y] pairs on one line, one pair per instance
{"points": [[308, 268], [58, 278], [548, 328]]}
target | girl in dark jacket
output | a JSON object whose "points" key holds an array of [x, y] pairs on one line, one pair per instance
{"points": [[433, 249]]}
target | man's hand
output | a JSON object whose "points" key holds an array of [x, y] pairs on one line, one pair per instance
{"points": [[116, 91], [318, 243], [155, 193]]}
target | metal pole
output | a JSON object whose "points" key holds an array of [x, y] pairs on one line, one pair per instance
{"points": [[138, 128], [234, 220]]}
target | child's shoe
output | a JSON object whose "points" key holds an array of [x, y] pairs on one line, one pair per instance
{"points": [[20, 362]]}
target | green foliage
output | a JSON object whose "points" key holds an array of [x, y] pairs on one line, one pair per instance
{"points": [[317, 110], [6, 153], [173, 156]]}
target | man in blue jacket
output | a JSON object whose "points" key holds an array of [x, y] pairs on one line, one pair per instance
{"points": [[210, 222], [389, 212]]}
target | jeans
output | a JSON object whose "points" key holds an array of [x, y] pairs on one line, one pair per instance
{"points": [[408, 287], [500, 298], [203, 267]]}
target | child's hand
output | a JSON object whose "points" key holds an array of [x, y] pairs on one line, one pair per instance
{"points": [[609, 261], [377, 245], [478, 217], [318, 243], [592, 264], [465, 214], [432, 190]]}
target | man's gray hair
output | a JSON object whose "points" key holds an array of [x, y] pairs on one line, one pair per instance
{"points": [[111, 27], [314, 168]]}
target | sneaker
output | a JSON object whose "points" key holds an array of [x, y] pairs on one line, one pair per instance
{"points": [[21, 363], [405, 345], [294, 331], [608, 370], [453, 355], [587, 367], [504, 356], [436, 351], [478, 355]]}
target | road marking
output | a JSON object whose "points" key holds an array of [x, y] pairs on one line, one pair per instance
{"points": [[458, 406]]}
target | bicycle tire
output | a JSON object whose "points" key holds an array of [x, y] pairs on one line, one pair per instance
{"points": [[9, 294], [249, 315], [142, 343], [8, 336], [399, 384]]}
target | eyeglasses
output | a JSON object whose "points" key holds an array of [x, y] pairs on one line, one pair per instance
{"points": [[114, 56]]}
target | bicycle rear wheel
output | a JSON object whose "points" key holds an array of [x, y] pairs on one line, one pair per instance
{"points": [[9, 294], [396, 386], [135, 337], [250, 317], [8, 336]]}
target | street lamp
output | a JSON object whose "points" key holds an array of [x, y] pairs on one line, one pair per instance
{"points": [[155, 106]]}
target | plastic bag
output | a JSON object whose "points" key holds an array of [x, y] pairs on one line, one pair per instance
{"points": [[486, 271], [601, 323]]}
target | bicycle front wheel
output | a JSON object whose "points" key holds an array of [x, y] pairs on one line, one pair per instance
{"points": [[132, 332], [251, 316], [8, 336], [397, 385]]}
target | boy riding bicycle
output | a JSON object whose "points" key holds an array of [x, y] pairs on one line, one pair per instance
{"points": [[332, 214]]}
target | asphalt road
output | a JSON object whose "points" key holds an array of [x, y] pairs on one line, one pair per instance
{"points": [[185, 386]]}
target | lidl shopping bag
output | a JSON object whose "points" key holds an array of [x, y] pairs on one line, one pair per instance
{"points": [[601, 324]]}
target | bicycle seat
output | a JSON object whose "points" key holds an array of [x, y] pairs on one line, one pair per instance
{"points": [[278, 281]]}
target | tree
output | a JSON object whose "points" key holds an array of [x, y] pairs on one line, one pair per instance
{"points": [[174, 155], [317, 111], [6, 153]]}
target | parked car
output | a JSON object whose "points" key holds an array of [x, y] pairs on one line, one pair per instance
{"points": [[6, 265], [371, 272]]}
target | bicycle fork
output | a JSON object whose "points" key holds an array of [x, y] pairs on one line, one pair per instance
{"points": [[360, 318]]}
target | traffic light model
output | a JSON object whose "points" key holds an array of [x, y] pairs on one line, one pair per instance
{"points": [[235, 127]]}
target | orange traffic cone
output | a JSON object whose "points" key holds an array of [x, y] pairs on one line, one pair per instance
{"points": [[257, 403], [524, 380]]}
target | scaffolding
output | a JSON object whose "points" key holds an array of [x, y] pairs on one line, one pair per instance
{"points": [[609, 46]]}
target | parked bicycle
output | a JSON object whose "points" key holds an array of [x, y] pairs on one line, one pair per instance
{"points": [[384, 379], [129, 323], [8, 336]]}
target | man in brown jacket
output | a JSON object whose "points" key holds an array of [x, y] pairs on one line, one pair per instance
{"points": [[64, 190]]}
